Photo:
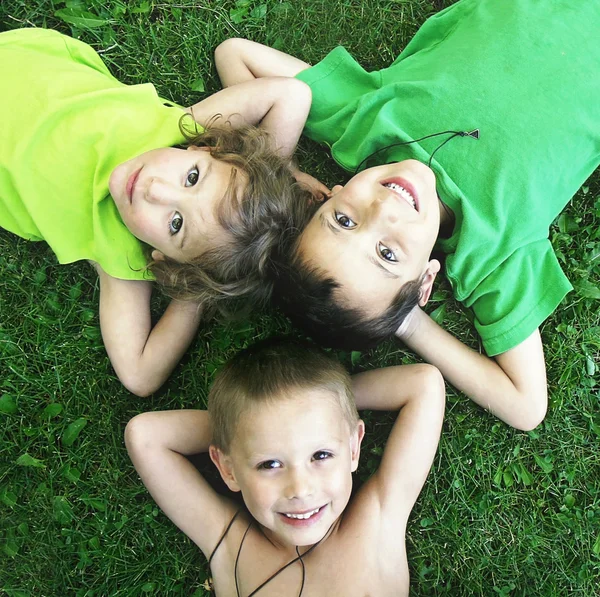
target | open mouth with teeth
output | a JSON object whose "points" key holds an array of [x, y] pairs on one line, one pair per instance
{"points": [[302, 518], [404, 191]]}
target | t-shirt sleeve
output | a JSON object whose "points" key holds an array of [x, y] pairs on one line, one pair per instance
{"points": [[337, 83], [512, 301]]}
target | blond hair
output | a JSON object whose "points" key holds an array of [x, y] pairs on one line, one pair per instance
{"points": [[274, 369]]}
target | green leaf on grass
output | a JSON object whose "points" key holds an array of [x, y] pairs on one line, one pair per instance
{"points": [[586, 289], [438, 314], [596, 548], [27, 460], [8, 498], [590, 366], [52, 410], [80, 18], [63, 512], [73, 431], [260, 12], [543, 463], [355, 357], [8, 405], [198, 85], [238, 15]]}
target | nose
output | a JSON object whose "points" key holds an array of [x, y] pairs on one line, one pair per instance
{"points": [[384, 207], [161, 193], [299, 483]]}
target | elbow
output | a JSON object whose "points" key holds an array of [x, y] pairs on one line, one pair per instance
{"points": [[228, 50], [533, 415], [139, 384], [137, 433]]}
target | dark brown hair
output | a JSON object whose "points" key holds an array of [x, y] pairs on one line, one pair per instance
{"points": [[313, 300], [231, 275], [274, 369]]}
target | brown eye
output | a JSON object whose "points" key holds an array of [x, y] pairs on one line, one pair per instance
{"points": [[344, 221], [176, 223], [192, 177], [387, 253]]}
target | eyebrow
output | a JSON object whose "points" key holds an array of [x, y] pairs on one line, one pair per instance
{"points": [[327, 224], [207, 173]]}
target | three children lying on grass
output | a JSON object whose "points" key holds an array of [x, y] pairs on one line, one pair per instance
{"points": [[476, 137]]}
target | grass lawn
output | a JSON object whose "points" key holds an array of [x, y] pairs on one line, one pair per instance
{"points": [[503, 512]]}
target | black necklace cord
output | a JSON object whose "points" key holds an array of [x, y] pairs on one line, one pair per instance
{"points": [[284, 567], [474, 134]]}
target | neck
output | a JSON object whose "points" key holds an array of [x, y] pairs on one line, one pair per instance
{"points": [[446, 219]]}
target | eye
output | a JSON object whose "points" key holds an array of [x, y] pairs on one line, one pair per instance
{"points": [[322, 455], [176, 223], [269, 465], [344, 221], [192, 177], [386, 253]]}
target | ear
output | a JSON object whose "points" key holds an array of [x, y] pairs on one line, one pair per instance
{"points": [[157, 255], [433, 267], [355, 442], [225, 466]]}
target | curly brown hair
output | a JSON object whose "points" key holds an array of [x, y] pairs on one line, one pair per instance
{"points": [[231, 277]]}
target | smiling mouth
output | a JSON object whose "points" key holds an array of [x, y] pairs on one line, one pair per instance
{"points": [[404, 191], [130, 186], [303, 515]]}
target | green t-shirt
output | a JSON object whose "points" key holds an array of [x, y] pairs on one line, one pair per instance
{"points": [[525, 73], [66, 124]]}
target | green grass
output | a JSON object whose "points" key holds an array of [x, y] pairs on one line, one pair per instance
{"points": [[503, 512]]}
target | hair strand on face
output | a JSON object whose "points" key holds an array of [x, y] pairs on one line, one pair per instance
{"points": [[231, 276]]}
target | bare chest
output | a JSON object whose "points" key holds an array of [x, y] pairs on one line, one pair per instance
{"points": [[349, 566]]}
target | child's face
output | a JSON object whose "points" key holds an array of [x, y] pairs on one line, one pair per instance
{"points": [[169, 197], [292, 460], [376, 233]]}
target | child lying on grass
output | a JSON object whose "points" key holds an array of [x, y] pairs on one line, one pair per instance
{"points": [[479, 133], [283, 430], [88, 165]]}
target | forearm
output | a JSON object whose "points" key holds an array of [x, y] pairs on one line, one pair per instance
{"points": [[280, 105], [166, 343], [143, 356], [514, 395], [393, 388], [183, 432], [240, 60]]}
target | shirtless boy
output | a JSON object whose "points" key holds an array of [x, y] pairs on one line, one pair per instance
{"points": [[282, 429]]}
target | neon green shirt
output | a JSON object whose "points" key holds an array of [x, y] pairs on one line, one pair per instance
{"points": [[67, 123], [526, 74]]}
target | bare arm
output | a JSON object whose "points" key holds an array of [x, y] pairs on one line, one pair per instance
{"points": [[280, 105], [157, 443], [142, 356], [511, 386], [240, 60], [418, 390]]}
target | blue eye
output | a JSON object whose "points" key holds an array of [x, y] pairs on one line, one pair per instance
{"points": [[269, 465], [192, 177], [386, 253], [344, 221], [176, 223], [322, 455]]}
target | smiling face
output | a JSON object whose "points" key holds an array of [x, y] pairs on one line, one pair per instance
{"points": [[376, 233], [169, 198], [292, 459]]}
